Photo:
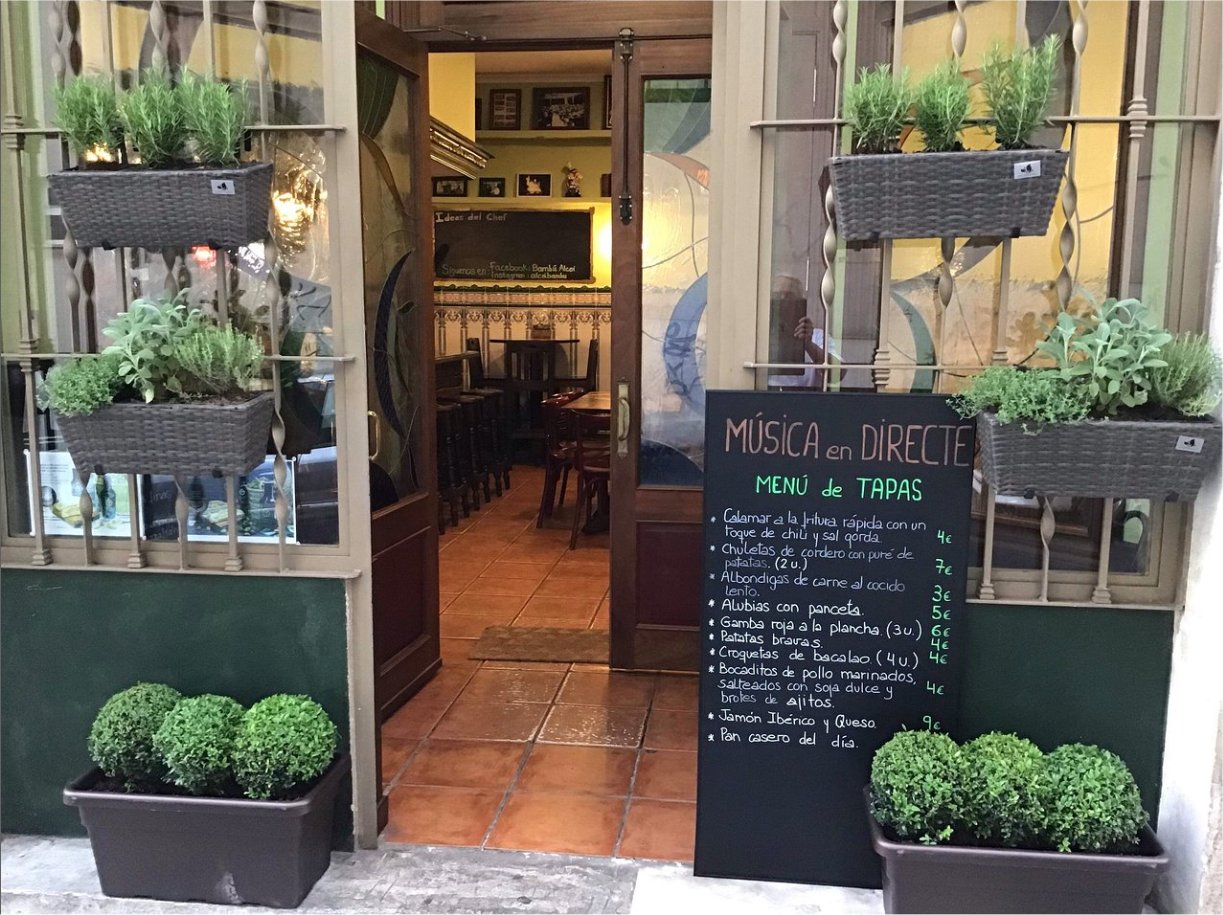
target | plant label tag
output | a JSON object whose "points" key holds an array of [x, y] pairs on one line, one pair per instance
{"points": [[1027, 169], [1191, 443], [223, 186]]}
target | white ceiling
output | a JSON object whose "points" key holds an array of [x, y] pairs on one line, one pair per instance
{"points": [[542, 63]]}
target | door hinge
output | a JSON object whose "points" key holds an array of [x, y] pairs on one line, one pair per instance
{"points": [[624, 44]]}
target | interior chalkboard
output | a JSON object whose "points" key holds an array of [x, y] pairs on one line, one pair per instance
{"points": [[513, 245], [836, 531]]}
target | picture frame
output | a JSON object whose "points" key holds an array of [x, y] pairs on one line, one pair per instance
{"points": [[534, 184], [479, 113], [505, 109], [561, 108], [607, 102], [449, 187], [491, 187], [605, 184]]}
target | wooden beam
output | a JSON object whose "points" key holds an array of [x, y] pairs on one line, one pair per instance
{"points": [[524, 22]]}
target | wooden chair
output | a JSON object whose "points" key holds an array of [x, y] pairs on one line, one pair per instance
{"points": [[559, 445], [592, 461], [589, 381]]}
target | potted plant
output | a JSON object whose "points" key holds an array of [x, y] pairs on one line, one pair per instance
{"points": [[947, 190], [159, 165], [170, 395], [996, 825], [1122, 411], [198, 800]]}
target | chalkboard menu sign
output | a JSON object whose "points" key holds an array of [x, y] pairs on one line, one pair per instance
{"points": [[513, 245], [836, 531]]}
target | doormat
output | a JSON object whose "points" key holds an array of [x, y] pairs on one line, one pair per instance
{"points": [[529, 643]]}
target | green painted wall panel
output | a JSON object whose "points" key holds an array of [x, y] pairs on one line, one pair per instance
{"points": [[1071, 675], [68, 640]]}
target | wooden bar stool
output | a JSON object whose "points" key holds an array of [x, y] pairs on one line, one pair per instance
{"points": [[449, 486], [592, 461]]}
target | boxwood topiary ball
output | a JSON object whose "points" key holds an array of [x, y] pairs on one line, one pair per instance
{"points": [[1094, 802], [283, 743], [1006, 788], [196, 740], [121, 739], [915, 786]]}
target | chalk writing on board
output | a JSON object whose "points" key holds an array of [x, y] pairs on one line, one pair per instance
{"points": [[835, 532]]}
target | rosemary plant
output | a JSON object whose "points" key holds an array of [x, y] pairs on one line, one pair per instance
{"points": [[87, 110], [942, 103], [153, 117], [875, 108], [214, 115], [1018, 87]]}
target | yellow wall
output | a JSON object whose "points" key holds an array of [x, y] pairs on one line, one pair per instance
{"points": [[452, 91]]}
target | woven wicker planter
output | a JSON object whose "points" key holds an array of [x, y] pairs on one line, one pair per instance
{"points": [[180, 439], [159, 208], [1152, 459], [936, 195]]}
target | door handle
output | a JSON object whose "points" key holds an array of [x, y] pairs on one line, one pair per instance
{"points": [[624, 418], [375, 434]]}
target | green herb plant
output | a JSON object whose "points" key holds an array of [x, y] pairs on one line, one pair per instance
{"points": [[214, 116], [941, 106], [153, 117], [81, 386], [876, 106], [1018, 87], [1094, 804], [915, 786], [121, 739], [1113, 350], [1191, 382], [283, 743], [87, 111], [1006, 789], [217, 361], [196, 741], [146, 338]]}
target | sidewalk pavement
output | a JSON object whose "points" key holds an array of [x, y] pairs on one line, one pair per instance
{"points": [[43, 874]]}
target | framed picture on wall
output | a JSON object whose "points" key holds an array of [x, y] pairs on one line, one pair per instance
{"points": [[479, 114], [561, 108], [605, 184], [607, 103], [505, 109], [492, 187], [449, 187], [535, 184]]}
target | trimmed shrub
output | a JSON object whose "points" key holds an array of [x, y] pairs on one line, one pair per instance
{"points": [[283, 743], [196, 741], [1006, 788], [121, 739], [915, 786], [1094, 803]]}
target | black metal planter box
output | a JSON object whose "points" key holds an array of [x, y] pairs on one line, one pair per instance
{"points": [[998, 193], [180, 439], [1155, 459], [219, 850], [160, 208], [944, 878]]}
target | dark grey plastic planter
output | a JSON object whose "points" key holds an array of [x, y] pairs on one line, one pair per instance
{"points": [[198, 849], [952, 879]]}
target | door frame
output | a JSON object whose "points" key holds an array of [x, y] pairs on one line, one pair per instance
{"points": [[635, 642]]}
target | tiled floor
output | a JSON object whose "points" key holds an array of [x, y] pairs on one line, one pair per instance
{"points": [[535, 756]]}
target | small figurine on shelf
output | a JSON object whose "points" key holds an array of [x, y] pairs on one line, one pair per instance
{"points": [[573, 181]]}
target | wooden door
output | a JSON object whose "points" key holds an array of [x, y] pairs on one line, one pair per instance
{"points": [[660, 150], [392, 96]]}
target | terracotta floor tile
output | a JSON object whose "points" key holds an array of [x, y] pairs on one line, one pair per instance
{"points": [[666, 775], [454, 577], [573, 587], [425, 815], [395, 753], [580, 665], [509, 685], [531, 552], [677, 692], [445, 685], [464, 764], [445, 597], [472, 550], [581, 570], [671, 730], [498, 608], [465, 626], [545, 623], [480, 719], [558, 823], [455, 653], [593, 725], [557, 666], [415, 719], [663, 830], [524, 571], [561, 608], [610, 689], [601, 620], [565, 769], [496, 587]]}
